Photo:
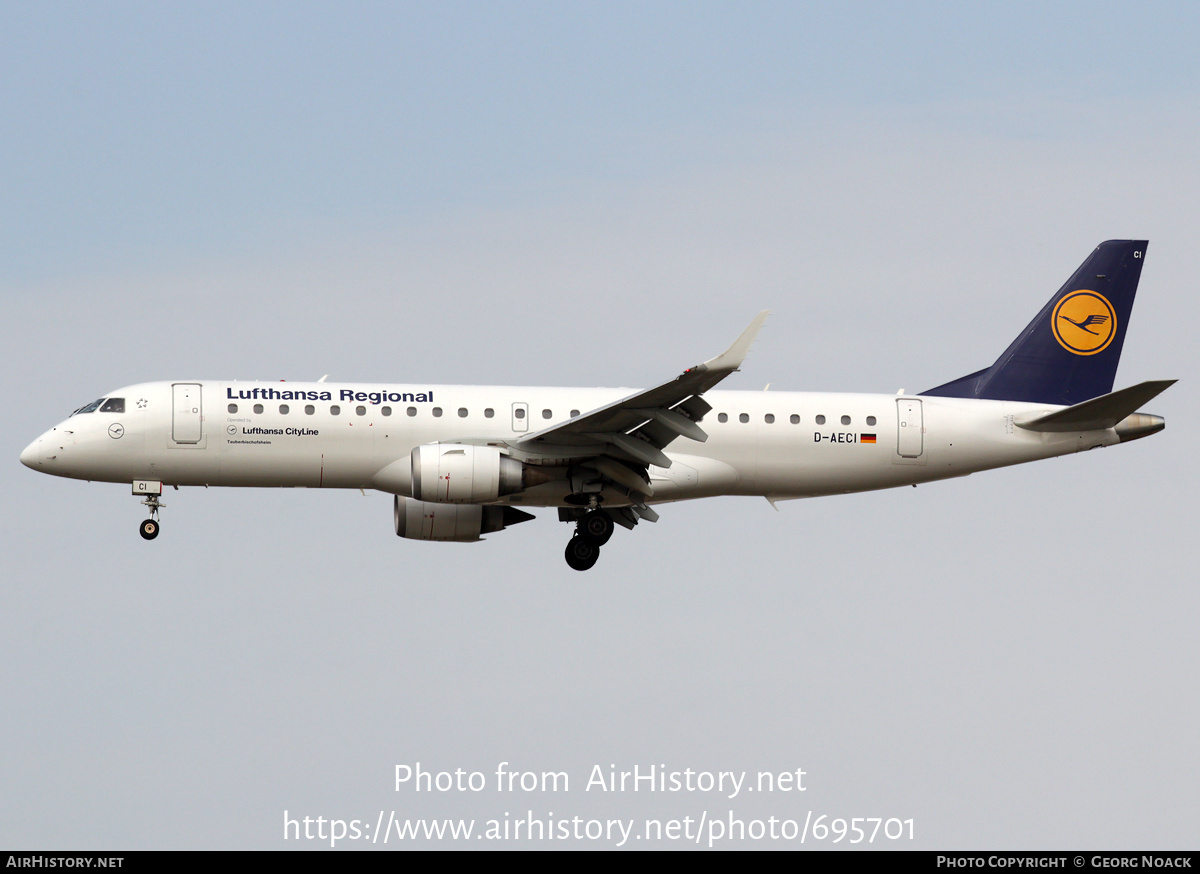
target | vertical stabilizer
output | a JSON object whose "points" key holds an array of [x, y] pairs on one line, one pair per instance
{"points": [[1069, 352]]}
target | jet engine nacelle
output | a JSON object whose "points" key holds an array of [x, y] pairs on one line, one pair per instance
{"points": [[421, 520], [460, 473]]}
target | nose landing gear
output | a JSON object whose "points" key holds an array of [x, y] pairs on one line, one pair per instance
{"points": [[149, 529]]}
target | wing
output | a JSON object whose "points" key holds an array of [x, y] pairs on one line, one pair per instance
{"points": [[620, 440]]}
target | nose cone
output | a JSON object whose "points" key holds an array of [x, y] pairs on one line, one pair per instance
{"points": [[31, 454], [42, 454]]}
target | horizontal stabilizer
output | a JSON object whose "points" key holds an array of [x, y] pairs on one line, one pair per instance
{"points": [[1099, 413]]}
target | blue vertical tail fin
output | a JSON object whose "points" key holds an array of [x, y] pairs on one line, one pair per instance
{"points": [[1069, 352]]}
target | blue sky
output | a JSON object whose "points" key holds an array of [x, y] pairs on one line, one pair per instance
{"points": [[150, 131]]}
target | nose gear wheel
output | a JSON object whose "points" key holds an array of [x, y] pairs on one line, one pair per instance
{"points": [[149, 528]]}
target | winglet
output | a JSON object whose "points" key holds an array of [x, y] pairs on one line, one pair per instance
{"points": [[731, 359]]}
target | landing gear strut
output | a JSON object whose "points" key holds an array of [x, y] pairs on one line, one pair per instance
{"points": [[591, 532], [153, 491]]}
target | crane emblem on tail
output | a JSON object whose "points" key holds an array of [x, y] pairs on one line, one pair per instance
{"points": [[1084, 322]]}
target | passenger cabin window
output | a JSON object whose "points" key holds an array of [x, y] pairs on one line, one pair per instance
{"points": [[437, 411], [744, 418], [546, 414], [360, 411], [519, 412], [574, 413], [870, 420], [722, 418], [794, 419], [309, 409], [769, 418], [232, 408], [820, 420], [489, 413], [412, 411], [335, 410], [258, 408], [462, 412], [845, 420], [113, 405], [284, 409], [387, 411]]}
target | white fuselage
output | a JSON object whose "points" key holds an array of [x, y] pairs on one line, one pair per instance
{"points": [[775, 444]]}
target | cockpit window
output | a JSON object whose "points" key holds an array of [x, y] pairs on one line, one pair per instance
{"points": [[90, 408], [114, 405]]}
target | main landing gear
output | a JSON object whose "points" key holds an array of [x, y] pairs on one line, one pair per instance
{"points": [[591, 532]]}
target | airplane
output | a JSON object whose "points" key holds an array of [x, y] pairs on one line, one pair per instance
{"points": [[463, 461]]}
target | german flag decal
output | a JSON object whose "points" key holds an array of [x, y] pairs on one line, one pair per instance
{"points": [[866, 438]]}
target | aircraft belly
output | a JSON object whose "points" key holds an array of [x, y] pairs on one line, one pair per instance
{"points": [[798, 462], [970, 436], [693, 476], [258, 468]]}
